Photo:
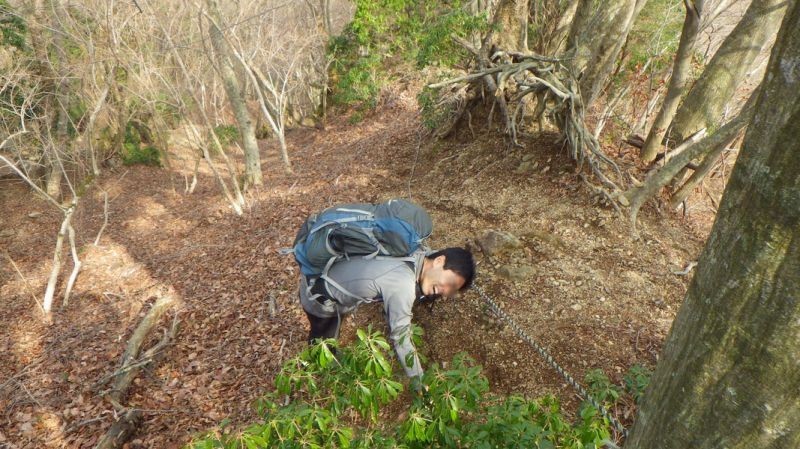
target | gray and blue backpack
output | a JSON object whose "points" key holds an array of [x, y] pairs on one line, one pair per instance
{"points": [[396, 228]]}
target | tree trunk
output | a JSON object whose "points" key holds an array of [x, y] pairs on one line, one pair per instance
{"points": [[705, 103], [677, 82], [243, 119], [558, 40], [597, 34], [511, 24], [708, 163], [60, 101], [729, 375]]}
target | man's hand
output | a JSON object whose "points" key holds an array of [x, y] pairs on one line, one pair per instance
{"points": [[418, 388], [416, 385]]}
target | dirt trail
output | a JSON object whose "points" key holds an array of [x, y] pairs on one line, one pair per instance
{"points": [[596, 298]]}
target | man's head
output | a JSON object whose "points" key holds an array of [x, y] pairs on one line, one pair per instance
{"points": [[447, 271]]}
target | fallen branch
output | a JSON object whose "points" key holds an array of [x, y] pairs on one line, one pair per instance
{"points": [[121, 431], [130, 366]]}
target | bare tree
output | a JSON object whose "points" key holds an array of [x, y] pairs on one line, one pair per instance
{"points": [[224, 63]]}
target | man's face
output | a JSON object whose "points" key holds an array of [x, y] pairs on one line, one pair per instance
{"points": [[438, 281]]}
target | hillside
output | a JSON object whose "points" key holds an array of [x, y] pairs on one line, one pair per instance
{"points": [[592, 294]]}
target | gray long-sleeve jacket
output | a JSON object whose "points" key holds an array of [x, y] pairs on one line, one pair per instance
{"points": [[392, 281]]}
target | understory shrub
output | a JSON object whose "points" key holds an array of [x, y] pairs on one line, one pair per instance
{"points": [[332, 396], [134, 151], [385, 33]]}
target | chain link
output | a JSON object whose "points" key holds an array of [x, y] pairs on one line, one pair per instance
{"points": [[549, 359]]}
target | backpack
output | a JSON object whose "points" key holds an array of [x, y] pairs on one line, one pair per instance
{"points": [[396, 228]]}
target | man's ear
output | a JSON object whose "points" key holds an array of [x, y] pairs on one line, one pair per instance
{"points": [[439, 261]]}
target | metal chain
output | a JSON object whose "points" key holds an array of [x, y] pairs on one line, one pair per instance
{"points": [[549, 359]]}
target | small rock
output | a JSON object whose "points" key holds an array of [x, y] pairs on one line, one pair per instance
{"points": [[524, 167], [34, 214], [7, 233], [496, 242], [516, 273], [579, 283], [576, 307]]}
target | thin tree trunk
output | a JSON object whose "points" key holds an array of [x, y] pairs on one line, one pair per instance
{"points": [[677, 82], [252, 157], [57, 59], [47, 303], [706, 102], [728, 376], [697, 176]]}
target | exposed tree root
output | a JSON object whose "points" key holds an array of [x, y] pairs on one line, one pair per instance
{"points": [[513, 79]]}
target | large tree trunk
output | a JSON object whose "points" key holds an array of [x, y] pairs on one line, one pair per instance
{"points": [[597, 34], [235, 96], [677, 82], [705, 103], [511, 24], [729, 374]]}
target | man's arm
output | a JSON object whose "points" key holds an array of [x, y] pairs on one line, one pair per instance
{"points": [[397, 303]]}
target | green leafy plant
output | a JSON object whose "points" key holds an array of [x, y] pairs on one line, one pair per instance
{"points": [[636, 380], [385, 33], [601, 388], [147, 155], [331, 396], [227, 134]]}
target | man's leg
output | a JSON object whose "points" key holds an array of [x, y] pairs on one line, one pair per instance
{"points": [[322, 327]]}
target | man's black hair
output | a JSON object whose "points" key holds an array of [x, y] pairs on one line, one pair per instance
{"points": [[459, 261]]}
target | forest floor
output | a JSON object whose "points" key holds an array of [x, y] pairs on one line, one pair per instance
{"points": [[596, 298]]}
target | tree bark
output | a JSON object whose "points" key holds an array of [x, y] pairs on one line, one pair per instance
{"points": [[705, 103], [511, 24], [677, 82], [597, 34], [244, 121], [729, 375]]}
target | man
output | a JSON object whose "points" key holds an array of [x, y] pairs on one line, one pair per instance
{"points": [[395, 282]]}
